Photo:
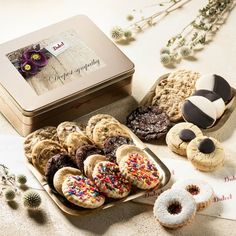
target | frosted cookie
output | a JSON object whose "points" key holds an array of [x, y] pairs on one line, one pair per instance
{"points": [[180, 135], [148, 122], [217, 101], [43, 151], [90, 163], [83, 152], [75, 140], [110, 181], [48, 132], [199, 111], [174, 208], [201, 191], [171, 92], [95, 119], [65, 128], [61, 175], [105, 129], [55, 163], [112, 143], [82, 192], [205, 153], [136, 166], [216, 84]]}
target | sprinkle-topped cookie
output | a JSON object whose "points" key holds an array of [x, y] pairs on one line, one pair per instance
{"points": [[110, 181], [139, 170], [82, 192]]}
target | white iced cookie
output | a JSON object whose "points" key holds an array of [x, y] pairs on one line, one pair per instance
{"points": [[216, 84], [174, 208], [217, 101], [199, 111], [201, 191]]}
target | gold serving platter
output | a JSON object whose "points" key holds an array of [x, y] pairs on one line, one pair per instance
{"points": [[72, 209], [147, 100]]}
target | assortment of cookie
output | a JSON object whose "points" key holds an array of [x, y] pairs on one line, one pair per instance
{"points": [[205, 153], [183, 94], [87, 167]]}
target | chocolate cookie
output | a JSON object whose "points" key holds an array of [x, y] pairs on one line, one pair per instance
{"points": [[54, 164], [148, 122], [112, 143], [85, 151]]}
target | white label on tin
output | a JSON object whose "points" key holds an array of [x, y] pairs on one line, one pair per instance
{"points": [[58, 47]]}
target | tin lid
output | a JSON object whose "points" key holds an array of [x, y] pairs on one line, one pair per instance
{"points": [[59, 62]]}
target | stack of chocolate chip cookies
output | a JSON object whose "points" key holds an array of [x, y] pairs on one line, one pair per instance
{"points": [[82, 165]]}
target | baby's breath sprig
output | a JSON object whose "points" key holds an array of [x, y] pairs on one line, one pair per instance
{"points": [[140, 23], [198, 32]]}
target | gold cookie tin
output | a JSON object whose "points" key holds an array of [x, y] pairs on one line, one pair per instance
{"points": [[72, 209], [87, 72]]}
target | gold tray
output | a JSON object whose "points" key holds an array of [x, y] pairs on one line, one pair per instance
{"points": [[147, 100], [72, 209]]}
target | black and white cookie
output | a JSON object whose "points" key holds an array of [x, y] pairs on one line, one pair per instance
{"points": [[199, 111], [216, 84], [214, 98]]}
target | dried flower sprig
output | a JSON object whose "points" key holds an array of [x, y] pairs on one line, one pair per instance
{"points": [[121, 34], [197, 33]]}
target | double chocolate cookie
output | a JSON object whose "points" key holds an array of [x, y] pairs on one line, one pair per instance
{"points": [[85, 151], [148, 122]]}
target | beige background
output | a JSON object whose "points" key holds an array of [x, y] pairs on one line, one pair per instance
{"points": [[21, 17]]}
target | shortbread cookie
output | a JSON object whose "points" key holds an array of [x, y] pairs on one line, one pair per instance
{"points": [[174, 208], [65, 128], [136, 166], [105, 129], [75, 140], [83, 152], [201, 191], [55, 163], [95, 119], [48, 132], [82, 192], [172, 91], [43, 151], [199, 111], [90, 163], [205, 153], [148, 122], [180, 135], [61, 175], [110, 181], [112, 143], [217, 101], [216, 84]]}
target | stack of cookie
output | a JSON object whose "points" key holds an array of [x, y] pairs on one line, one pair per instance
{"points": [[205, 153], [86, 167]]}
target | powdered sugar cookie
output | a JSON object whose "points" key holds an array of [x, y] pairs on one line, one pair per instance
{"points": [[82, 192], [110, 181], [174, 208], [105, 129], [180, 135], [205, 153], [201, 191], [61, 175], [48, 132], [90, 163], [138, 168], [43, 151], [95, 119]]}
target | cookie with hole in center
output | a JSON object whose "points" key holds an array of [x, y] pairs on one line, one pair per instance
{"points": [[180, 135]]}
